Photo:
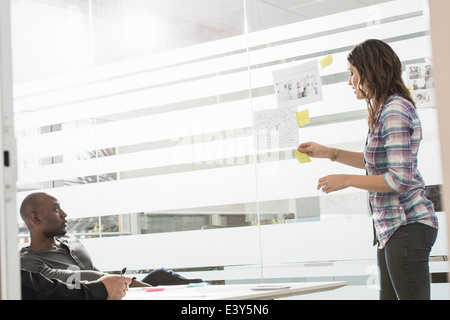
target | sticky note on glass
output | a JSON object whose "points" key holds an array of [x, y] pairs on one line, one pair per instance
{"points": [[302, 157], [326, 61], [303, 118]]}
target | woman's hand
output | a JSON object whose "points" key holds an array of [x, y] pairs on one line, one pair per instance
{"points": [[338, 182], [316, 150], [333, 183]]}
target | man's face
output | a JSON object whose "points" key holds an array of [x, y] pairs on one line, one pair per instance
{"points": [[52, 218]]}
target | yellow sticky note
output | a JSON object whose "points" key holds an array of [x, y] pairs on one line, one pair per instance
{"points": [[302, 157], [410, 89], [303, 118], [326, 61]]}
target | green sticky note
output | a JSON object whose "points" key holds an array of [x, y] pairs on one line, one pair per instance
{"points": [[303, 118], [326, 61], [302, 157]]}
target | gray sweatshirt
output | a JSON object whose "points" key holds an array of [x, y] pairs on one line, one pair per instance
{"points": [[70, 264]]}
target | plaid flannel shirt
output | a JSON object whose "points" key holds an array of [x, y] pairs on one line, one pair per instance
{"points": [[392, 151]]}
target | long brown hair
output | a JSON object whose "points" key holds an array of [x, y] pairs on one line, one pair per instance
{"points": [[380, 69]]}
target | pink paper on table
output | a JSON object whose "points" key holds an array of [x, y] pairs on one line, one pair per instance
{"points": [[152, 289]]}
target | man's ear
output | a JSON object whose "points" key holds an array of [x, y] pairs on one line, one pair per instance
{"points": [[34, 218]]}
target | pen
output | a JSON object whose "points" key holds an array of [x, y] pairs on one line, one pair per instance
{"points": [[122, 273]]}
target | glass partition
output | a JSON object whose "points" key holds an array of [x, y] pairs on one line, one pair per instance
{"points": [[168, 129]]}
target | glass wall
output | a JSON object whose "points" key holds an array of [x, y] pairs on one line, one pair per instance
{"points": [[167, 129]]}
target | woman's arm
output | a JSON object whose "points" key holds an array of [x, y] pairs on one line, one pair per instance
{"points": [[338, 182], [314, 150], [349, 158]]}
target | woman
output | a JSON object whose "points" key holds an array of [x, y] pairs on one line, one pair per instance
{"points": [[404, 219]]}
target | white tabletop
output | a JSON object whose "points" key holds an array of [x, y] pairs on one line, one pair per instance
{"points": [[231, 292]]}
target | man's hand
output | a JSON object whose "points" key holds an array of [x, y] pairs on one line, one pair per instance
{"points": [[116, 286], [136, 283]]}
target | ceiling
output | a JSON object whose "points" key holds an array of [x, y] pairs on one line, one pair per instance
{"points": [[125, 29], [225, 16]]}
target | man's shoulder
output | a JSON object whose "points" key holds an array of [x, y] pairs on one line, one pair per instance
{"points": [[29, 259], [24, 250]]}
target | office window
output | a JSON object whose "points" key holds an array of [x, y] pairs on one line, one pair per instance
{"points": [[141, 117]]}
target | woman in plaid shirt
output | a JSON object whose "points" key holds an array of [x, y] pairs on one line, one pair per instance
{"points": [[404, 219]]}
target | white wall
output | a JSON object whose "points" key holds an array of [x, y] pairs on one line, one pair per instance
{"points": [[440, 30]]}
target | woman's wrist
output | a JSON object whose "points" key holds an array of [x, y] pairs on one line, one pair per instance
{"points": [[334, 154], [349, 181]]}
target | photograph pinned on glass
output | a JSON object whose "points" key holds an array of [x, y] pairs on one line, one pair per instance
{"points": [[298, 85]]}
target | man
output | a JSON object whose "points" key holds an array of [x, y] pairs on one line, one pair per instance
{"points": [[58, 255], [37, 287]]}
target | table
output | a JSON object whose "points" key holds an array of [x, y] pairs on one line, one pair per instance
{"points": [[231, 292]]}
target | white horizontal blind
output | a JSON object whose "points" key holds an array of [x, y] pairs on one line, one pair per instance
{"points": [[192, 110]]}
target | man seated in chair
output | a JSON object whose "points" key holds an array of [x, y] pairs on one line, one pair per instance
{"points": [[58, 255], [37, 287]]}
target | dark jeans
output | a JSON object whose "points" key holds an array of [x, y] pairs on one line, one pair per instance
{"points": [[160, 277], [404, 263]]}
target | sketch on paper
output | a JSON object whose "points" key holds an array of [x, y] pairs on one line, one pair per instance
{"points": [[421, 81], [298, 85], [276, 129]]}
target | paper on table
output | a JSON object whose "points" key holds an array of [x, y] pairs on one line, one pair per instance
{"points": [[152, 289]]}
